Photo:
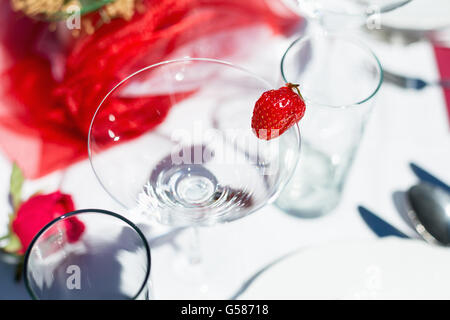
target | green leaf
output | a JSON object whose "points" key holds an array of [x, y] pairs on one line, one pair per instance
{"points": [[15, 196], [11, 216], [14, 244], [15, 186], [93, 5], [86, 6]]}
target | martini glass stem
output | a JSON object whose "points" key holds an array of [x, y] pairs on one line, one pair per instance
{"points": [[193, 252]]}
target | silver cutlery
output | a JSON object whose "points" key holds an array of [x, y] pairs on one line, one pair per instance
{"points": [[426, 176], [427, 208], [412, 82], [379, 226], [430, 212]]}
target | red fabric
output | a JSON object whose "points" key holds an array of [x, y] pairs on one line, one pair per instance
{"points": [[443, 61], [38, 211], [51, 84]]}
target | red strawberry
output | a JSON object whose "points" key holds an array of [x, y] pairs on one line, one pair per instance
{"points": [[276, 111]]}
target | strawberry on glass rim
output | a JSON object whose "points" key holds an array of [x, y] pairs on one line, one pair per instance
{"points": [[277, 110]]}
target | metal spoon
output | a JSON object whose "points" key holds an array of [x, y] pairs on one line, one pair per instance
{"points": [[430, 212]]}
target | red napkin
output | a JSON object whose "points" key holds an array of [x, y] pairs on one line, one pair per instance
{"points": [[443, 61]]}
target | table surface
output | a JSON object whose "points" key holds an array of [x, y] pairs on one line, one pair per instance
{"points": [[405, 126]]}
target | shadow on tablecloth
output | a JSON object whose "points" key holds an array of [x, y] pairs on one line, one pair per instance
{"points": [[9, 289]]}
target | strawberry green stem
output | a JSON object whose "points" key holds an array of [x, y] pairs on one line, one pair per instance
{"points": [[294, 87]]}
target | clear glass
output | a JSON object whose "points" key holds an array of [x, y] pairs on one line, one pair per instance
{"points": [[201, 164], [333, 15], [339, 78], [198, 163], [111, 260]]}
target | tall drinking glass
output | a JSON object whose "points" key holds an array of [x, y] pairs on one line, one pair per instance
{"points": [[339, 78], [88, 254]]}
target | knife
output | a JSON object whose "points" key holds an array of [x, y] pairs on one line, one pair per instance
{"points": [[411, 82], [378, 225], [425, 176]]}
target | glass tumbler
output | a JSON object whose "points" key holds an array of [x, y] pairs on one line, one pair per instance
{"points": [[339, 78], [88, 254]]}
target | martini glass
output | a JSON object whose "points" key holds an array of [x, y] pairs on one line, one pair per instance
{"points": [[190, 157]]}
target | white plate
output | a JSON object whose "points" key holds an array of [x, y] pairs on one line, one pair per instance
{"points": [[385, 269], [419, 15]]}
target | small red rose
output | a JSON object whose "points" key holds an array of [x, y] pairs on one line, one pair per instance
{"points": [[41, 209]]}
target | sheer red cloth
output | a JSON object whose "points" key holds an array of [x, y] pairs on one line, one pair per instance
{"points": [[51, 83]]}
